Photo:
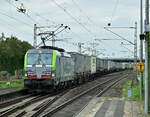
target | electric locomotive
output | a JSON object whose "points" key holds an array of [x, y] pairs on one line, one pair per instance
{"points": [[47, 68]]}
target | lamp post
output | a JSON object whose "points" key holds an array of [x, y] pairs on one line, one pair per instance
{"points": [[147, 31], [141, 47]]}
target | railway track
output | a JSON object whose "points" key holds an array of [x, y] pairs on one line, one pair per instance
{"points": [[6, 90], [14, 101], [20, 109], [12, 95], [13, 109], [37, 105], [82, 98], [40, 108]]}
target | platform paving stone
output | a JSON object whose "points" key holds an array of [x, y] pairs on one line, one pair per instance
{"points": [[111, 107]]}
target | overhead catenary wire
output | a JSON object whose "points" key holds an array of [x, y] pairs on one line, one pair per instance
{"points": [[12, 27], [76, 34], [114, 11], [29, 16], [87, 42], [34, 21], [89, 19], [69, 14], [26, 14], [108, 44], [119, 36], [47, 19], [11, 17], [89, 31], [8, 1], [37, 14], [42, 17]]}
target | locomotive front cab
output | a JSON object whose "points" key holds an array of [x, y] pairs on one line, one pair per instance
{"points": [[39, 68]]}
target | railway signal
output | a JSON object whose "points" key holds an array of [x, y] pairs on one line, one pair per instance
{"points": [[140, 67]]}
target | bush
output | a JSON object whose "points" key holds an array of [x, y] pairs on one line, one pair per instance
{"points": [[4, 75]]}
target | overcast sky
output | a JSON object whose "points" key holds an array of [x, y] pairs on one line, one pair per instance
{"points": [[92, 16]]}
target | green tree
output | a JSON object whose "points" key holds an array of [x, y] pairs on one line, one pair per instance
{"points": [[12, 53]]}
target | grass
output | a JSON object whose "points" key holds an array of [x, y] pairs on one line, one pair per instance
{"points": [[12, 84], [125, 89], [135, 91]]}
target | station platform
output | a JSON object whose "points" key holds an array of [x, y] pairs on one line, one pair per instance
{"points": [[111, 107]]}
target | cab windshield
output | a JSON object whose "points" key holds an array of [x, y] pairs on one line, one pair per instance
{"points": [[39, 59]]}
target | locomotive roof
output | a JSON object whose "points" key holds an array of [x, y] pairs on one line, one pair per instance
{"points": [[66, 54], [40, 51], [53, 48], [76, 53], [80, 54]]}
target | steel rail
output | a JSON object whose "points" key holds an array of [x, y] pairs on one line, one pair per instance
{"points": [[99, 94], [57, 108], [14, 101], [14, 94], [40, 108], [21, 106], [108, 87]]}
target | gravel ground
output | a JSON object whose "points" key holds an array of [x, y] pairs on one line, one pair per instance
{"points": [[116, 91], [8, 90], [76, 106], [75, 91]]}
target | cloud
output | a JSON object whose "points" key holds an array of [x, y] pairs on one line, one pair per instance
{"points": [[94, 15]]}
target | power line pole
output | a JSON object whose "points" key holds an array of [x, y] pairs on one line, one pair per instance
{"points": [[147, 56], [80, 47], [53, 40], [141, 47], [35, 36], [135, 46], [94, 45]]}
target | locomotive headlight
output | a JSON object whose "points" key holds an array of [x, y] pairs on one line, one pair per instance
{"points": [[53, 74]]}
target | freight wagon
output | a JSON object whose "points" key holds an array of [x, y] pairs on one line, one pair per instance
{"points": [[49, 68]]}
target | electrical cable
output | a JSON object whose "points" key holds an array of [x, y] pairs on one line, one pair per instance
{"points": [[114, 11], [42, 17], [69, 14], [119, 36], [12, 28], [37, 14], [72, 17], [15, 19], [89, 19], [23, 12]]}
